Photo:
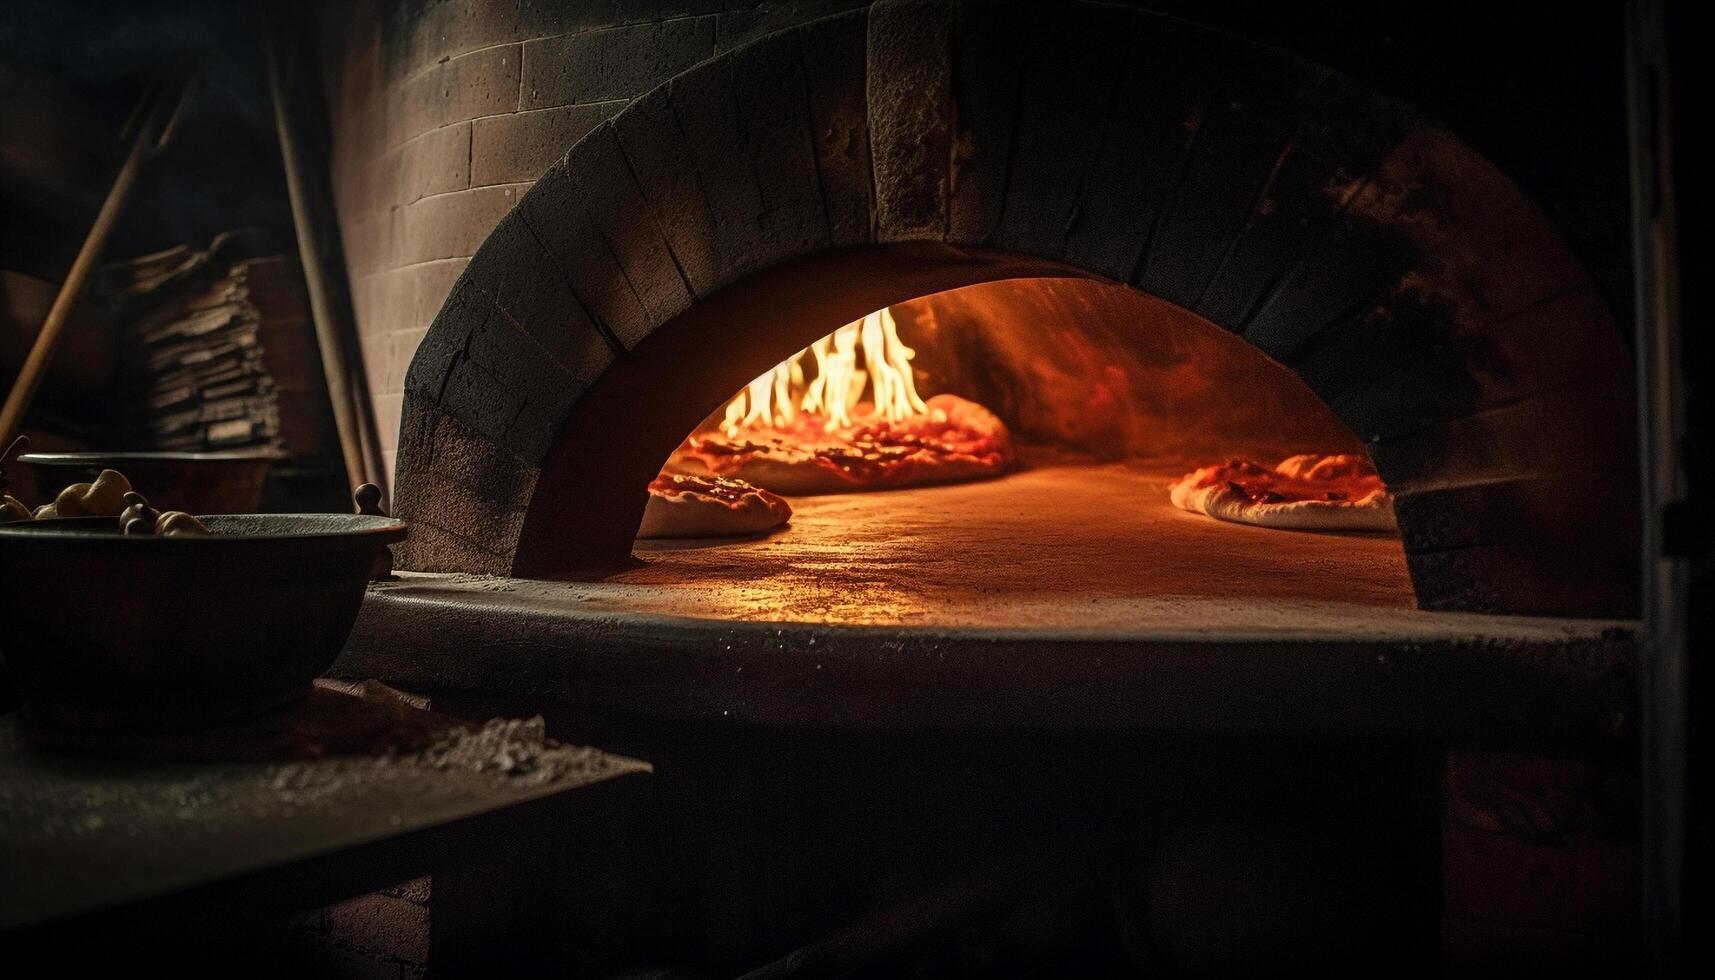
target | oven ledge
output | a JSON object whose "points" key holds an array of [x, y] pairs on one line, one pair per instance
{"points": [[1187, 664]]}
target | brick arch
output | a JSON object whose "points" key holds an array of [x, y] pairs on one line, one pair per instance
{"points": [[920, 145]]}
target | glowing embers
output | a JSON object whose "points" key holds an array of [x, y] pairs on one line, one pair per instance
{"points": [[795, 433]]}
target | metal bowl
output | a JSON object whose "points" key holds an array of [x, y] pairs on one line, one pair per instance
{"points": [[197, 483], [101, 631]]}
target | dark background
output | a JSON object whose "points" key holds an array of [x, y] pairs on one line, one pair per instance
{"points": [[1536, 87]]}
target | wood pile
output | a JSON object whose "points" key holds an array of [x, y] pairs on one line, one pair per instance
{"points": [[217, 351]]}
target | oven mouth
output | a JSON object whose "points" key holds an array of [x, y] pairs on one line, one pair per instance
{"points": [[723, 222], [1103, 399]]}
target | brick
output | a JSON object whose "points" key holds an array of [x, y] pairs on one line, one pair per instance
{"points": [[1471, 368], [369, 242], [1502, 254], [555, 212], [653, 142], [384, 925], [988, 67], [1521, 510], [363, 298], [432, 548], [619, 63], [1346, 132], [1402, 214], [428, 32], [1352, 353], [707, 110], [496, 392], [391, 303], [434, 163], [909, 93], [481, 83], [361, 185], [1534, 579], [736, 28], [387, 409], [530, 287], [606, 190], [438, 458], [423, 34], [373, 349], [460, 508], [452, 225], [1581, 425], [1252, 100], [416, 890], [1439, 233], [433, 281], [459, 456], [522, 145], [833, 53], [1075, 60], [401, 347], [774, 112], [480, 366]]}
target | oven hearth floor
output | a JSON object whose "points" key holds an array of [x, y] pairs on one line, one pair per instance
{"points": [[1058, 548], [1071, 597]]}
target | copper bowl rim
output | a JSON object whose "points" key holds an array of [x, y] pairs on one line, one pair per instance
{"points": [[381, 529], [175, 456]]}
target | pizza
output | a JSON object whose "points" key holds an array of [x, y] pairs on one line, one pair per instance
{"points": [[709, 507], [1304, 493], [956, 440]]}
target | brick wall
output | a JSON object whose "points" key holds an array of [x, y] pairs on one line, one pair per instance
{"points": [[444, 113]]}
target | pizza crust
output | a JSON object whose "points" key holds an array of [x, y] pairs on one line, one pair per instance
{"points": [[805, 475], [709, 507], [1218, 492], [959, 441], [1371, 513]]}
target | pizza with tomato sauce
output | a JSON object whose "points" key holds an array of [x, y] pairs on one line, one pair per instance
{"points": [[1304, 493], [709, 507], [955, 441]]}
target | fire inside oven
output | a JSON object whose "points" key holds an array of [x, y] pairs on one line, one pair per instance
{"points": [[1024, 442]]}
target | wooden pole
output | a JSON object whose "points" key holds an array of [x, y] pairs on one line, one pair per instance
{"points": [[155, 118], [349, 416]]}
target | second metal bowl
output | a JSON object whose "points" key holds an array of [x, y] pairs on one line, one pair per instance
{"points": [[197, 483], [101, 630]]}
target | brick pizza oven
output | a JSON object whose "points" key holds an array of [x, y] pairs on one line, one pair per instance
{"points": [[691, 237], [575, 230]]}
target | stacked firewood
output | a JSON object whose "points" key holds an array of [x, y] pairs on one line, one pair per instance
{"points": [[217, 352]]}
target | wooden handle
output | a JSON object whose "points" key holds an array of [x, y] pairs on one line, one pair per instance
{"points": [[350, 406]]}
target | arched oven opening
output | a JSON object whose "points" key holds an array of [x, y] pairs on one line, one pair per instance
{"points": [[1107, 397], [751, 205], [1480, 434]]}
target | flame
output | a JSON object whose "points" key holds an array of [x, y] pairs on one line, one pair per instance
{"points": [[834, 396]]}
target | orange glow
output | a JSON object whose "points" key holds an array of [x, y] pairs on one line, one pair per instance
{"points": [[844, 414], [832, 398]]}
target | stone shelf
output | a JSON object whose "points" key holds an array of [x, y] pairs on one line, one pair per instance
{"points": [[1064, 597]]}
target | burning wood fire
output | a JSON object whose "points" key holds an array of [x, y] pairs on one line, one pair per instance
{"points": [[839, 383], [796, 433]]}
